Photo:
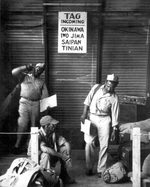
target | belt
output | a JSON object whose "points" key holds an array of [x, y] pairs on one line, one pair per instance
{"points": [[101, 115], [33, 100]]}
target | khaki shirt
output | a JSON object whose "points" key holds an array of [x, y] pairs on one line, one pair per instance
{"points": [[102, 105], [33, 88]]}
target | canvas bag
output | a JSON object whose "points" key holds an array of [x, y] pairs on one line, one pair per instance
{"points": [[21, 170], [24, 172], [114, 173]]}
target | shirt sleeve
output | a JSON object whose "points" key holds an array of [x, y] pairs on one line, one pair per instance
{"points": [[115, 111], [90, 95], [19, 72]]}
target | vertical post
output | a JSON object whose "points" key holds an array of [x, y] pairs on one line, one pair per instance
{"points": [[136, 158], [34, 144], [46, 44], [99, 45], [148, 136]]}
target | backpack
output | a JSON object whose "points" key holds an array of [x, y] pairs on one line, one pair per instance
{"points": [[24, 172], [114, 173]]}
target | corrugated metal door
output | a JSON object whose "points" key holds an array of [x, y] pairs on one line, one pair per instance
{"points": [[25, 39], [71, 75], [24, 32], [125, 52]]}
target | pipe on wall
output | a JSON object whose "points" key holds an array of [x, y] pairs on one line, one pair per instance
{"points": [[71, 4]]}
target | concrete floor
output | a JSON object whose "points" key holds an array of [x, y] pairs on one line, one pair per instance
{"points": [[78, 172]]}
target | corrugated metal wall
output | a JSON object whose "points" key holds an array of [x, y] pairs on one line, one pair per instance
{"points": [[126, 47], [71, 75], [125, 52], [24, 33]]}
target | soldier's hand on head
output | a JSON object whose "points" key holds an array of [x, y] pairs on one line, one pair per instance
{"points": [[29, 67]]}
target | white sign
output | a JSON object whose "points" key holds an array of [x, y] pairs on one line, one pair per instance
{"points": [[72, 32]]}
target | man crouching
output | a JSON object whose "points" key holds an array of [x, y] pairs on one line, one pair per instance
{"points": [[54, 148]]}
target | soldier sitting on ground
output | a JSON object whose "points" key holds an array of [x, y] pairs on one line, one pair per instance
{"points": [[53, 148]]}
